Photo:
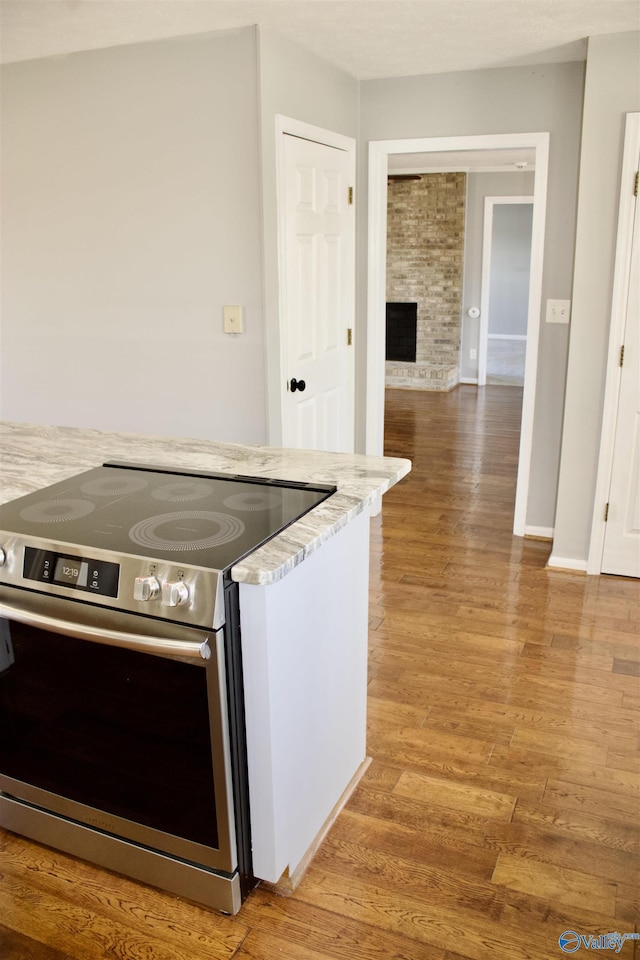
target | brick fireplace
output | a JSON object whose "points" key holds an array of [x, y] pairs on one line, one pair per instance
{"points": [[425, 254]]}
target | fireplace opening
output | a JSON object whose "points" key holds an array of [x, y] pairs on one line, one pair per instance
{"points": [[402, 319]]}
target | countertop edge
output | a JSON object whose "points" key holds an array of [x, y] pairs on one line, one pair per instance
{"points": [[258, 569]]}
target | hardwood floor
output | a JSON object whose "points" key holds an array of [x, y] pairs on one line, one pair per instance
{"points": [[501, 807]]}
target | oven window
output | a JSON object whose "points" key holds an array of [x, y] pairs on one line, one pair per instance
{"points": [[124, 732]]}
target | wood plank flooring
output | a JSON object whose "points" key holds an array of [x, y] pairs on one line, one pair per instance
{"points": [[501, 807]]}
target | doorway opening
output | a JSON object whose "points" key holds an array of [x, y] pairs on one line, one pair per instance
{"points": [[380, 153]]}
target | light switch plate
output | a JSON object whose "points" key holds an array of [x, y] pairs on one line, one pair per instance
{"points": [[233, 319], [558, 311]]}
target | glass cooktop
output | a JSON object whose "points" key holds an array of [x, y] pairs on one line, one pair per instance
{"points": [[212, 520]]}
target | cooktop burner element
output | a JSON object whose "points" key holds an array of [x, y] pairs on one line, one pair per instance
{"points": [[183, 491], [57, 511], [251, 501], [113, 485], [168, 531]]}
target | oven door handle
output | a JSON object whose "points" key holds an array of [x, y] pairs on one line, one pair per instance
{"points": [[112, 638]]}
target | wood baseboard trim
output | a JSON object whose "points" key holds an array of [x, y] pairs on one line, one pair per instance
{"points": [[289, 881]]}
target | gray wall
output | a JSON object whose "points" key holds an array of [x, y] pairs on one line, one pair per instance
{"points": [[133, 181], [131, 214], [479, 186], [298, 85], [509, 100], [612, 89]]}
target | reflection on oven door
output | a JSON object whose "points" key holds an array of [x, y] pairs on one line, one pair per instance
{"points": [[6, 647]]}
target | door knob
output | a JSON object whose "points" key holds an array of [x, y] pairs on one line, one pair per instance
{"points": [[297, 385]]}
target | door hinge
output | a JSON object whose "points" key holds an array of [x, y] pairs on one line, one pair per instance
{"points": [[349, 337], [637, 180], [606, 512], [622, 355], [350, 196]]}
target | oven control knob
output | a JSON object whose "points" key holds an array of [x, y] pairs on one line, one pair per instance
{"points": [[174, 593], [145, 588]]}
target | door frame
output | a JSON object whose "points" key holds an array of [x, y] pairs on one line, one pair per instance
{"points": [[485, 284], [276, 353], [379, 152], [621, 273]]}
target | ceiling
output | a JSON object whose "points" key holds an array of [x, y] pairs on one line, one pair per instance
{"points": [[367, 38]]}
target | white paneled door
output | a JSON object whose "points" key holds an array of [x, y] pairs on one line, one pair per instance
{"points": [[318, 296], [621, 553]]}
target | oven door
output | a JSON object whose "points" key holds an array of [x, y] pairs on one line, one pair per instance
{"points": [[116, 723]]}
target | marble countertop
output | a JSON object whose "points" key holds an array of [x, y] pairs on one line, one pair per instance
{"points": [[34, 456]]}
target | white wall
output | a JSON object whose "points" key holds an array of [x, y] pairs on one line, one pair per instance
{"points": [[508, 100], [612, 89], [131, 214]]}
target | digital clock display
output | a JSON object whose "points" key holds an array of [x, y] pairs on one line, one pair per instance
{"points": [[74, 572]]}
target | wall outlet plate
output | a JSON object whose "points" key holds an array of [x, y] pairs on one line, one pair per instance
{"points": [[558, 311]]}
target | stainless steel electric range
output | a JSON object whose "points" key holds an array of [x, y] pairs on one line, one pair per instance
{"points": [[121, 694]]}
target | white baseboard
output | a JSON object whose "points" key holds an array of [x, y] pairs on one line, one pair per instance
{"points": [[567, 563], [468, 380], [539, 533]]}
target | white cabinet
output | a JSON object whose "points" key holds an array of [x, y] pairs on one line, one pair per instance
{"points": [[304, 642]]}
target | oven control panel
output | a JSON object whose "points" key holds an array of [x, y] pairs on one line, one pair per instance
{"points": [[80, 573], [183, 593]]}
